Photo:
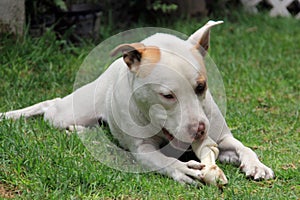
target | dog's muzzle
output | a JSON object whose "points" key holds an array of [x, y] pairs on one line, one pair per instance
{"points": [[183, 146]]}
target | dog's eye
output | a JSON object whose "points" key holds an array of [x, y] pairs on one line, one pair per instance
{"points": [[168, 96], [200, 88]]}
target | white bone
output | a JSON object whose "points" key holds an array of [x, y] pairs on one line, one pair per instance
{"points": [[208, 152]]}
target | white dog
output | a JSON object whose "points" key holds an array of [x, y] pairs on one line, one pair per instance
{"points": [[157, 94]]}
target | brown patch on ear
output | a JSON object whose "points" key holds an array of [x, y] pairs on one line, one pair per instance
{"points": [[126, 48], [131, 54], [137, 54]]}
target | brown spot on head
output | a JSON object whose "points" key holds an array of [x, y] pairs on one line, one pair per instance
{"points": [[151, 54]]}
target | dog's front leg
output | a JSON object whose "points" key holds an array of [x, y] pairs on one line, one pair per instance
{"points": [[248, 160], [151, 157], [232, 150]]}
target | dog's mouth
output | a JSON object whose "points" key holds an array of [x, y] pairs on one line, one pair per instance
{"points": [[183, 146]]}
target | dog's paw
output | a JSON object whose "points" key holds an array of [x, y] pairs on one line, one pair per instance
{"points": [[213, 175], [257, 170], [183, 178], [192, 171], [195, 165], [210, 174], [188, 172]]}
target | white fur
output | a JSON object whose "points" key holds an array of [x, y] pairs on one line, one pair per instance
{"points": [[139, 127]]}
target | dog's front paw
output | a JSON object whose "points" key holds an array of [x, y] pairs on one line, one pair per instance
{"points": [[213, 175], [187, 172], [257, 170]]}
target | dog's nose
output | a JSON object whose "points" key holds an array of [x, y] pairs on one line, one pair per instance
{"points": [[201, 127], [200, 131], [197, 131]]}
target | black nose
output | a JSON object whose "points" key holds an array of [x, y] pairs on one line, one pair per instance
{"points": [[201, 131], [201, 128], [197, 132]]}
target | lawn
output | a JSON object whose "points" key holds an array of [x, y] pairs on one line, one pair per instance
{"points": [[259, 60]]}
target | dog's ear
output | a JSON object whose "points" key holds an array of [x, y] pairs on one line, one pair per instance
{"points": [[136, 54], [200, 39]]}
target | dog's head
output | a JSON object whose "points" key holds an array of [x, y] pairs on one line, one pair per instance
{"points": [[169, 83]]}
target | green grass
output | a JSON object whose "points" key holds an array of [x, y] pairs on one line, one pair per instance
{"points": [[259, 59]]}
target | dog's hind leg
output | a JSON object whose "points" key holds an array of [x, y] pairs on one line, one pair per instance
{"points": [[36, 109]]}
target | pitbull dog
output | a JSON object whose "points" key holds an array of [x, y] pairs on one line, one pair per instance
{"points": [[157, 94]]}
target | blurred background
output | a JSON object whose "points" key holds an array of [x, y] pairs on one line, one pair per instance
{"points": [[76, 20]]}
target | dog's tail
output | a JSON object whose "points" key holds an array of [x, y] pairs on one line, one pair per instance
{"points": [[36, 109]]}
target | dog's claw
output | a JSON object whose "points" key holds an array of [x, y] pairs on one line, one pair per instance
{"points": [[257, 171]]}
